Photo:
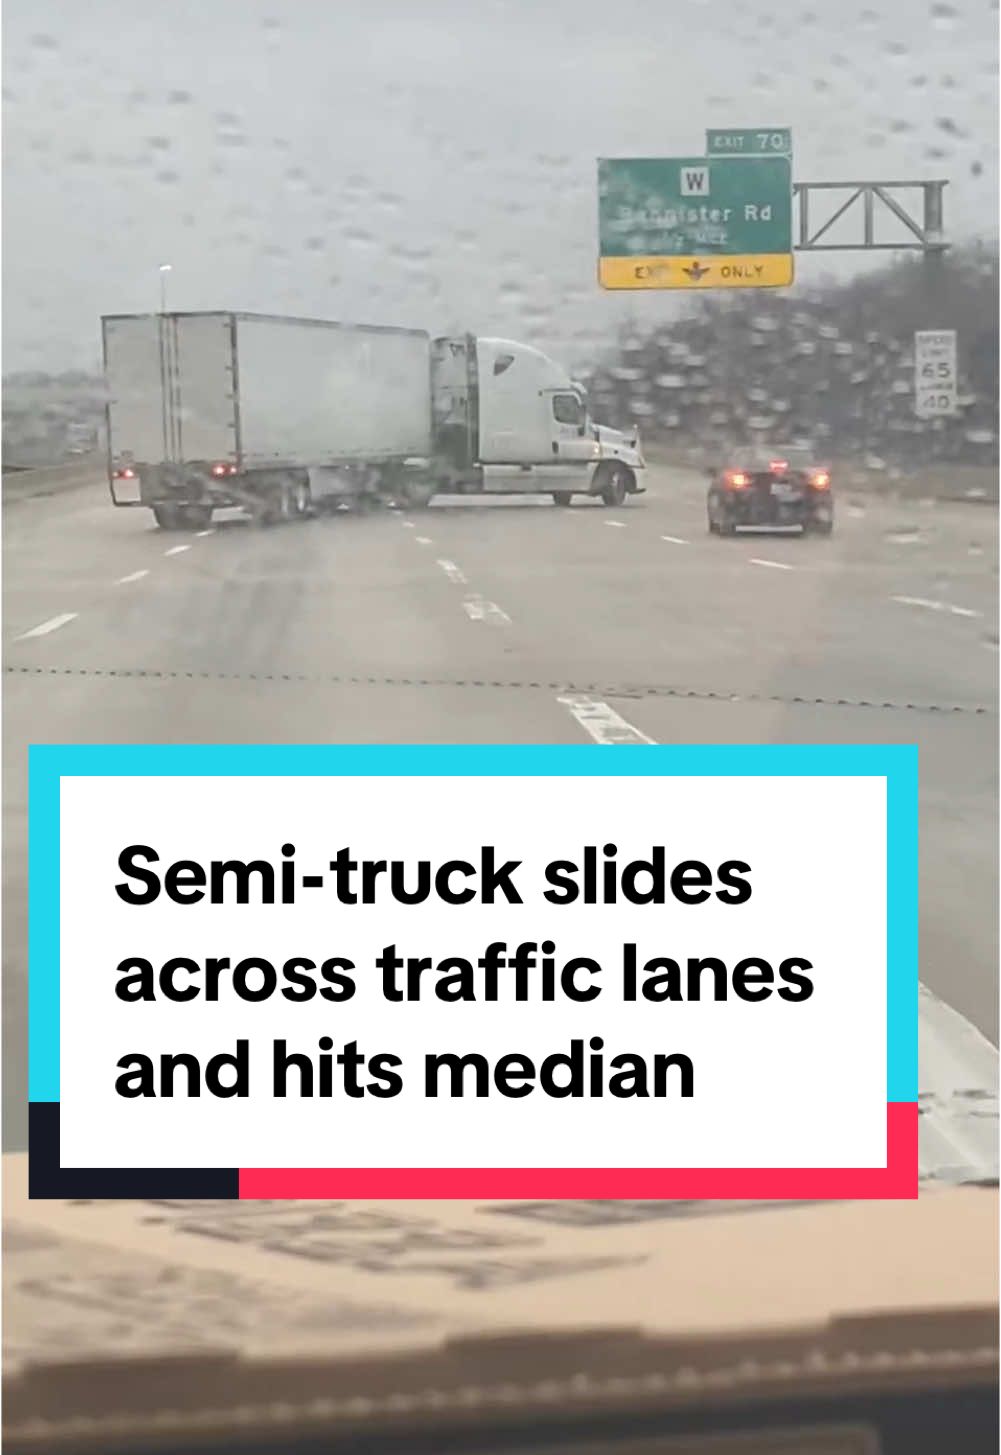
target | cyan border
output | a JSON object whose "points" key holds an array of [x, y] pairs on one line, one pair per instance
{"points": [[897, 763]]}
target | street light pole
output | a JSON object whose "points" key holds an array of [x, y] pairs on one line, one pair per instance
{"points": [[165, 268]]}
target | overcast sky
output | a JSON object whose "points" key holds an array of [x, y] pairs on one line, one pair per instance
{"points": [[432, 162]]}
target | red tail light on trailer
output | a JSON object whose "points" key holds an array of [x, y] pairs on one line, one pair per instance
{"points": [[220, 469], [125, 474]]}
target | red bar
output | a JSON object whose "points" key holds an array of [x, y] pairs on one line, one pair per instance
{"points": [[899, 1179]]}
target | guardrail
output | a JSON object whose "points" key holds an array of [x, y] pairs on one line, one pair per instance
{"points": [[958, 484], [51, 479]]}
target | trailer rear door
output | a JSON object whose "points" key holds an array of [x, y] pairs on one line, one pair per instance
{"points": [[203, 391], [171, 390], [134, 379]]}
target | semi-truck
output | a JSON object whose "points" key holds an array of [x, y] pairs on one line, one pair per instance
{"points": [[285, 417]]}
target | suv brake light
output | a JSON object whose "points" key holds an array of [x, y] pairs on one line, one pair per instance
{"points": [[820, 479]]}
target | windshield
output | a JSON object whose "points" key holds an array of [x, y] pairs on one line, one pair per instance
{"points": [[297, 301]]}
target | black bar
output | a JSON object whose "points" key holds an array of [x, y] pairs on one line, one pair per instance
{"points": [[47, 1179]]}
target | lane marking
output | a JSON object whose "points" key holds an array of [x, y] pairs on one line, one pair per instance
{"points": [[603, 723], [958, 1094], [408, 525], [477, 609], [958, 1089], [453, 572], [775, 565], [52, 625], [132, 576], [176, 550], [935, 605], [209, 532], [675, 540], [617, 524], [423, 540]]}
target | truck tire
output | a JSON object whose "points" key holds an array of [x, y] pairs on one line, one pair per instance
{"points": [[418, 497], [264, 511], [303, 500], [286, 502], [562, 497], [614, 485], [195, 517], [167, 517]]}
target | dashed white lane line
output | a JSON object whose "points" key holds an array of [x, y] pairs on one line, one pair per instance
{"points": [[52, 625], [408, 525], [675, 540], [176, 550], [423, 540], [958, 1094], [602, 722], [453, 572], [616, 524], [775, 565], [936, 605], [209, 532], [132, 576], [959, 1068], [477, 609]]}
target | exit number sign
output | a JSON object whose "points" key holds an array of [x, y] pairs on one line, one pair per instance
{"points": [[772, 141]]}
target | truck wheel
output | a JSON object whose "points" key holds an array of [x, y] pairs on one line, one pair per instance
{"points": [[264, 511], [614, 486], [562, 497], [167, 517], [196, 517], [418, 497]]}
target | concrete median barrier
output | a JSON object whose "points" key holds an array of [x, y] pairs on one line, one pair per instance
{"points": [[28, 484]]}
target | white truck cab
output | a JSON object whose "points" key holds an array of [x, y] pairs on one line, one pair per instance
{"points": [[526, 426]]}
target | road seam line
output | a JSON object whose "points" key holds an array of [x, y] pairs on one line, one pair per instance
{"points": [[53, 624]]}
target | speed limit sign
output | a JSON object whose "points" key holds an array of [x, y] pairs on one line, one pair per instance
{"points": [[935, 373]]}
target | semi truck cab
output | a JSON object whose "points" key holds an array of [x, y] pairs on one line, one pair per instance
{"points": [[510, 420]]}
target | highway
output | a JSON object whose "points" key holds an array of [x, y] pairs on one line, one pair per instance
{"points": [[515, 622]]}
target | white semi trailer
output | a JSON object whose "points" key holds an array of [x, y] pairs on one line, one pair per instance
{"points": [[284, 416]]}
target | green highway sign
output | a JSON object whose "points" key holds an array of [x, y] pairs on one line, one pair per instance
{"points": [[695, 222], [772, 141]]}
